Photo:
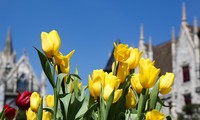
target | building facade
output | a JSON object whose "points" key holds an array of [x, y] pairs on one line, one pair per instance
{"points": [[17, 76]]}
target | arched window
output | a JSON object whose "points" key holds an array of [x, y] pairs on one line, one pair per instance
{"points": [[22, 82]]}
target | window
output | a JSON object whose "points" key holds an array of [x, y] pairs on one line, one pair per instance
{"points": [[22, 83], [186, 73], [187, 99]]}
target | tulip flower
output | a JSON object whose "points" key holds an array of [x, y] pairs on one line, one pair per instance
{"points": [[50, 100], [30, 115], [50, 43], [121, 52], [130, 99], [35, 101], [9, 112], [166, 82], [96, 82], [63, 61], [122, 71], [72, 86], [148, 73], [111, 84], [135, 83], [134, 58], [155, 115], [46, 115], [23, 100]]}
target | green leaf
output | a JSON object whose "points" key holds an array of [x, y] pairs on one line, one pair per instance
{"points": [[109, 103], [40, 110], [75, 76], [49, 109], [162, 103], [88, 113], [102, 106], [59, 81], [158, 106], [83, 109], [65, 101], [154, 95], [46, 67]]}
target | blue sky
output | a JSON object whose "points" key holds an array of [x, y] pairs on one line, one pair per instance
{"points": [[90, 26]]}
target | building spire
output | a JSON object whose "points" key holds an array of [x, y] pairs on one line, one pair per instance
{"points": [[173, 35], [195, 25], [150, 44], [184, 18], [141, 32], [8, 50]]}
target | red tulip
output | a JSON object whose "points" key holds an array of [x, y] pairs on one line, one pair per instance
{"points": [[23, 100], [9, 112]]}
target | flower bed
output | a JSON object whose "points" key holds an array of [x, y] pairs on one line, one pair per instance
{"points": [[118, 95]]}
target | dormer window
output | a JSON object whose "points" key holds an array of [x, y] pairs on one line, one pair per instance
{"points": [[186, 73]]}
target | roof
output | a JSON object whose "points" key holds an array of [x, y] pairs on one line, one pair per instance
{"points": [[163, 57]]}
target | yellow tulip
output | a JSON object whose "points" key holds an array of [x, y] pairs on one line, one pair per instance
{"points": [[117, 95], [130, 99], [135, 83], [35, 101], [30, 115], [72, 86], [121, 52], [46, 115], [155, 115], [134, 58], [63, 62], [148, 73], [50, 43], [50, 100], [96, 82], [111, 84], [166, 82], [122, 71]]}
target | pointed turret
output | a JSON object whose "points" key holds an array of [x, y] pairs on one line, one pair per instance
{"points": [[8, 50], [142, 46], [184, 18], [195, 26]]}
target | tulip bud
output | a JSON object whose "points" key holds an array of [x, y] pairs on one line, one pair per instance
{"points": [[135, 83], [46, 115], [23, 100], [130, 99], [50, 43], [50, 100], [9, 112], [30, 115], [96, 82], [148, 73], [134, 58], [35, 101], [121, 52], [122, 71], [63, 61], [166, 82], [155, 115]]}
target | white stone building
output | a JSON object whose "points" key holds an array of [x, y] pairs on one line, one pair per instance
{"points": [[17, 75], [180, 55]]}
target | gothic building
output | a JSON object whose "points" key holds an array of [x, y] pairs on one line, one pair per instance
{"points": [[180, 55], [17, 76]]}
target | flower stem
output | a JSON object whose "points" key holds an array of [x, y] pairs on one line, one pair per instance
{"points": [[55, 103], [142, 103]]}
